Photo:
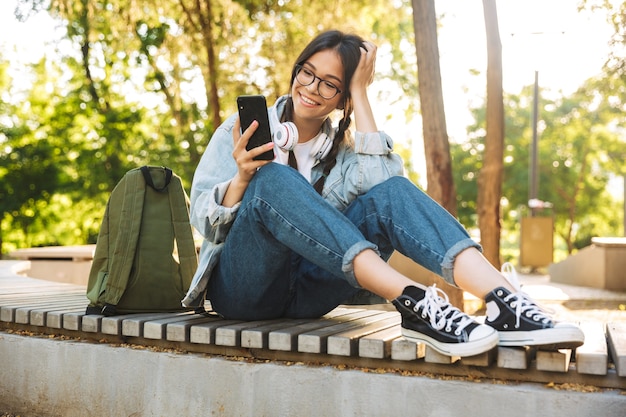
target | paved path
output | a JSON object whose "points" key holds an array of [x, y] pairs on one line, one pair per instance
{"points": [[572, 303]]}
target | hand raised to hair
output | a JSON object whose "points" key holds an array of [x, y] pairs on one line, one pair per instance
{"points": [[364, 74]]}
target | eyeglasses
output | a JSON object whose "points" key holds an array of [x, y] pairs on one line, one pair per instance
{"points": [[306, 77]]}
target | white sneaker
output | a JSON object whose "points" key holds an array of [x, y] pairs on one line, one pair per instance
{"points": [[428, 317], [521, 322]]}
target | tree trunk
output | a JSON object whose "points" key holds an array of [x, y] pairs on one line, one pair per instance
{"points": [[437, 149], [200, 18], [207, 32], [490, 178]]}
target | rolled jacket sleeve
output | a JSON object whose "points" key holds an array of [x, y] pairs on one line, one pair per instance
{"points": [[368, 161], [374, 143], [211, 218]]}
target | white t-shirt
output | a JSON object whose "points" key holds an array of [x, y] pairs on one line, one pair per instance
{"points": [[302, 152]]}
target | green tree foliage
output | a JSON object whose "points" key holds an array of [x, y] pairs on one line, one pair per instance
{"points": [[580, 145], [28, 169], [143, 82]]}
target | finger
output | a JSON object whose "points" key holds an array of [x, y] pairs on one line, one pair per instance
{"points": [[368, 61], [254, 152], [243, 139], [249, 166], [252, 128], [369, 47]]}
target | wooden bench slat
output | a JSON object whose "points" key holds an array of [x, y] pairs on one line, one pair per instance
{"points": [[346, 343], [46, 293], [25, 290], [553, 361], [54, 319], [515, 357], [204, 333], [433, 356], [179, 331], [229, 335], [114, 325], [23, 315], [133, 325], [91, 323], [72, 321], [38, 316], [485, 359], [315, 341], [593, 356], [407, 350], [48, 298], [8, 311], [616, 334], [378, 344], [286, 339], [155, 329], [258, 337]]}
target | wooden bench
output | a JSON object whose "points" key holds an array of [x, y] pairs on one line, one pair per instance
{"points": [[70, 264], [352, 336]]}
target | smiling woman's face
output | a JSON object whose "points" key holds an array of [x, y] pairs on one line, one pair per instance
{"points": [[307, 102]]}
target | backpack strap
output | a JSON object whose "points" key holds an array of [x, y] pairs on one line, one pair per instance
{"points": [[126, 242], [100, 262], [145, 170]]}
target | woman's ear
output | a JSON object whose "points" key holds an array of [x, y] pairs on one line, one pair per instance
{"points": [[341, 105]]}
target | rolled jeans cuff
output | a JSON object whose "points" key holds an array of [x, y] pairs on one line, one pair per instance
{"points": [[447, 266], [348, 260]]}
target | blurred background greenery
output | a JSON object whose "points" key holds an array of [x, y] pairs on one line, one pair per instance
{"points": [[129, 83]]}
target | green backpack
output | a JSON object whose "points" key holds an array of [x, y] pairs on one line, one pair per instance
{"points": [[145, 255]]}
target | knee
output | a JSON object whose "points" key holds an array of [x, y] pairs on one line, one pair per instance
{"points": [[396, 185], [277, 172], [401, 189], [400, 182], [274, 176], [271, 172]]}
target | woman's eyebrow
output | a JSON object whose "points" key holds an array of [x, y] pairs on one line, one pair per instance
{"points": [[307, 63]]}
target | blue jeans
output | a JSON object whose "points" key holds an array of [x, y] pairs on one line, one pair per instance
{"points": [[289, 253]]}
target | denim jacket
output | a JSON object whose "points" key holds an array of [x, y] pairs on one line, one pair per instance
{"points": [[361, 164]]}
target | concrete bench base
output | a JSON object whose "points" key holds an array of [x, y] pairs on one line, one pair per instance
{"points": [[51, 377]]}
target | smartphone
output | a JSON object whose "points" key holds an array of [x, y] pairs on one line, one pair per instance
{"points": [[252, 108]]}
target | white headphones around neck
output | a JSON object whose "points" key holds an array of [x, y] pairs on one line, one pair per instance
{"points": [[285, 136]]}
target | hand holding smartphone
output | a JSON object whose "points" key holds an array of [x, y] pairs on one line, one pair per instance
{"points": [[254, 107]]}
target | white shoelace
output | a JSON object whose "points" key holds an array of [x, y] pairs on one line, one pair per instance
{"points": [[441, 313], [522, 303]]}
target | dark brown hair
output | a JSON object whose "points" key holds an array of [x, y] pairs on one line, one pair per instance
{"points": [[347, 47]]}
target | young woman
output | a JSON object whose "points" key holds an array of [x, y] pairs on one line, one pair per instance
{"points": [[297, 236]]}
